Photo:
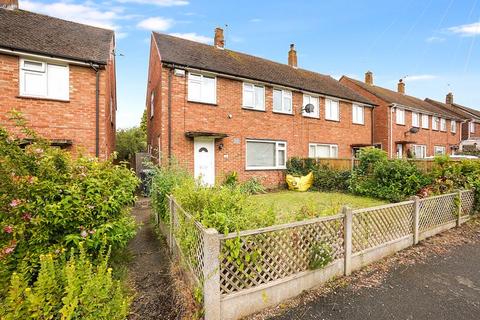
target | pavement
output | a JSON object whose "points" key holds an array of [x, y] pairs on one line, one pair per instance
{"points": [[445, 286]]}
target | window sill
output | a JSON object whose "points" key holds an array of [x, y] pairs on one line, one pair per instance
{"points": [[358, 124], [284, 113], [401, 124], [265, 169], [204, 103], [42, 98], [311, 117], [332, 120], [252, 109]]}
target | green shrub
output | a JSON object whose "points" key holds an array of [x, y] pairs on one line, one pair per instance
{"points": [[73, 289], [51, 201], [252, 186]]}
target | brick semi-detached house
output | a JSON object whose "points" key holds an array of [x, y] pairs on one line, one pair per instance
{"points": [[61, 76], [405, 126], [470, 126], [216, 110]]}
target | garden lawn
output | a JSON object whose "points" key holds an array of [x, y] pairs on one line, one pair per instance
{"points": [[292, 206]]}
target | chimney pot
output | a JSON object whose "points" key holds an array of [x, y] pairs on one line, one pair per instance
{"points": [[449, 98], [9, 4], [369, 78], [292, 57], [401, 86], [219, 40]]}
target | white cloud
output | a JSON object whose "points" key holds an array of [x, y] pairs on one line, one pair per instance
{"points": [[86, 13], [161, 3], [420, 77], [156, 23], [434, 39], [472, 29], [255, 20], [194, 37]]}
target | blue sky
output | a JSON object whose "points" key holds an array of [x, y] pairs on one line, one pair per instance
{"points": [[433, 44]]}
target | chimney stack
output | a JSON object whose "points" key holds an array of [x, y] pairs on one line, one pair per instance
{"points": [[449, 98], [401, 86], [292, 57], [9, 4], [369, 78], [219, 40]]}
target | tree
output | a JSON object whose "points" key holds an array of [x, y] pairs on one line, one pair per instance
{"points": [[129, 142], [143, 122]]}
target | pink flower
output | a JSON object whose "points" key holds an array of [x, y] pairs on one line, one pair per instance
{"points": [[39, 150], [27, 217], [9, 250], [92, 231], [15, 202], [31, 179], [84, 234], [8, 229]]}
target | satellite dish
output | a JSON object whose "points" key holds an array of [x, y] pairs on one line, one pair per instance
{"points": [[414, 130], [309, 108]]}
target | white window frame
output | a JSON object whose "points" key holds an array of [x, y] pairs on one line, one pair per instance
{"points": [[415, 115], [472, 127], [201, 82], [443, 124], [442, 148], [285, 94], [425, 121], [254, 92], [328, 112], [111, 109], [400, 116], [358, 108], [279, 146], [333, 149], [307, 98], [453, 126], [435, 123], [43, 70], [423, 147], [152, 104]]}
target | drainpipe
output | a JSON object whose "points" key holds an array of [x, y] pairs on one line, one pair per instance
{"points": [[373, 124], [97, 108], [170, 73]]}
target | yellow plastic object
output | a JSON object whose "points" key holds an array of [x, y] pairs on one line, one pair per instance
{"points": [[300, 183]]}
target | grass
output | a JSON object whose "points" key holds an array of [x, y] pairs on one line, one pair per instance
{"points": [[292, 206]]}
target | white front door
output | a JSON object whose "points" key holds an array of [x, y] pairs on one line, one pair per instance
{"points": [[204, 160]]}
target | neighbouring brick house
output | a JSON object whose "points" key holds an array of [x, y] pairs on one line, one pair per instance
{"points": [[216, 110], [405, 126], [470, 127], [61, 76]]}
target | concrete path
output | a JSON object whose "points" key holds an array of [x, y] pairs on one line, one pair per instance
{"points": [[444, 286]]}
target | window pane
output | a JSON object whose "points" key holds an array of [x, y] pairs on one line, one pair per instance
{"points": [[259, 97], [58, 82], [277, 100], [425, 121], [323, 151], [311, 151], [334, 152], [260, 154], [35, 83], [415, 120], [194, 89], [281, 157], [248, 97], [33, 65], [208, 90]]}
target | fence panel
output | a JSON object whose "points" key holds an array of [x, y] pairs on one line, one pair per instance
{"points": [[468, 202], [277, 253], [375, 226], [191, 232], [438, 210]]}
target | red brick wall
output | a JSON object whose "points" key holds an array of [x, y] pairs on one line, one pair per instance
{"points": [[72, 120], [428, 137], [228, 117]]}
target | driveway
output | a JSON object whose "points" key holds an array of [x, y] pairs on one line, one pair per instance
{"points": [[438, 279]]}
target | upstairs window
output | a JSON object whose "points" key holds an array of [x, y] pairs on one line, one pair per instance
{"points": [[253, 96], [44, 80], [435, 123], [358, 114], [425, 121], [202, 88], [400, 115], [152, 104], [322, 150], [282, 101], [472, 127], [443, 124], [308, 99], [453, 126], [415, 119], [332, 111]]}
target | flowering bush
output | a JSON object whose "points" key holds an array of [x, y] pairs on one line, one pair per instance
{"points": [[49, 202]]}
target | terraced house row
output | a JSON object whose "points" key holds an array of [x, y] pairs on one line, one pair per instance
{"points": [[218, 110]]}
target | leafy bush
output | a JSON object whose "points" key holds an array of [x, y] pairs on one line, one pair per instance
{"points": [[73, 289], [130, 141], [393, 180], [325, 178], [252, 186], [50, 202]]}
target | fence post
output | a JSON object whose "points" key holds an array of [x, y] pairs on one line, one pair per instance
{"points": [[416, 219], [171, 206], [348, 217], [211, 274], [459, 213]]}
